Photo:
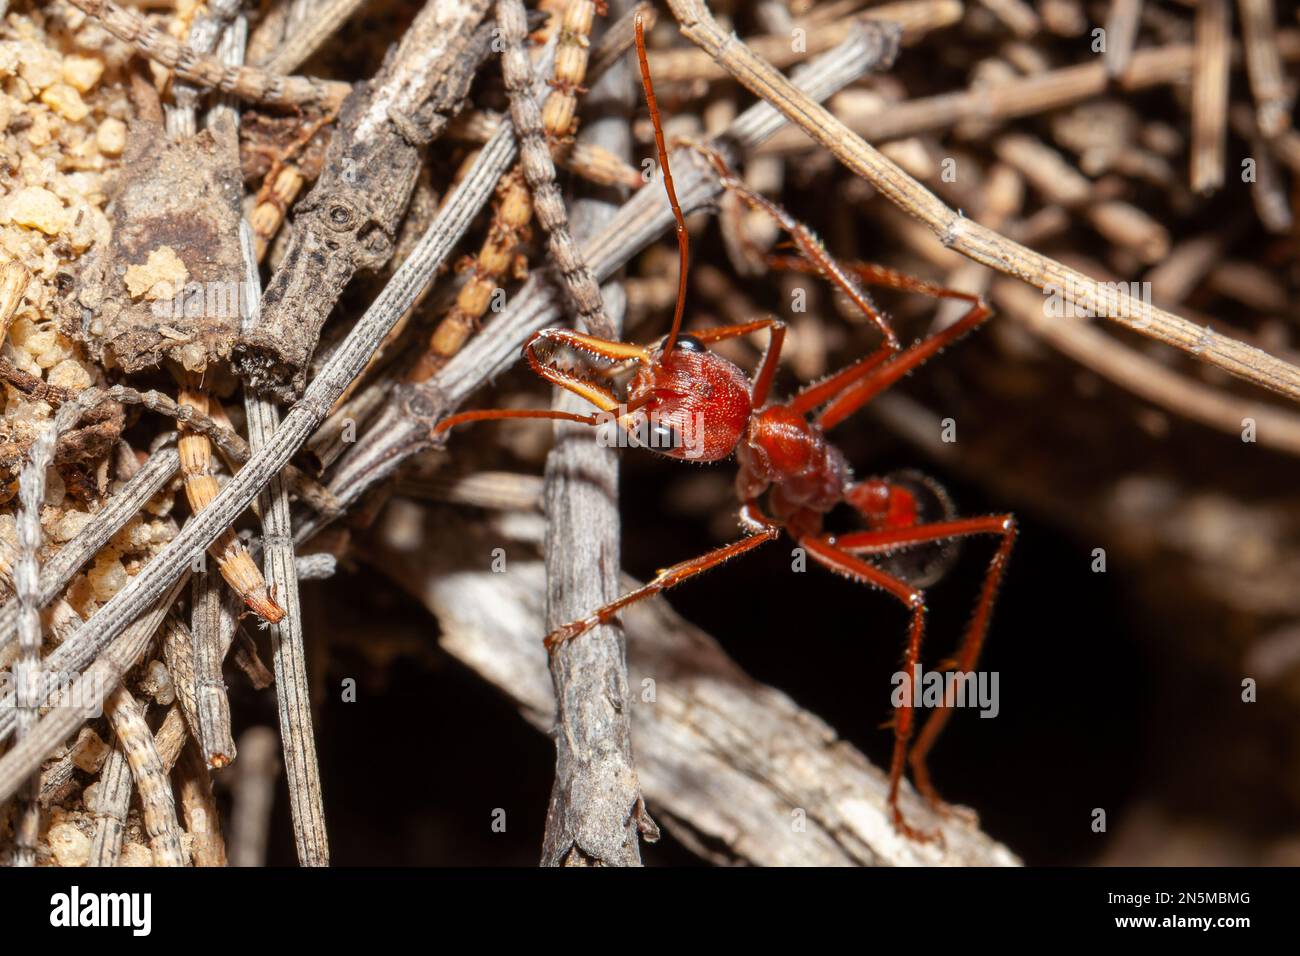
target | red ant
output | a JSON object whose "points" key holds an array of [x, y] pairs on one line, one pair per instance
{"points": [[681, 388]]}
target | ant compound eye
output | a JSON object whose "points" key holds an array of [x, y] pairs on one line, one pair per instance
{"points": [[689, 343]]}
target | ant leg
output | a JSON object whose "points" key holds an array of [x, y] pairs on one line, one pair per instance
{"points": [[761, 531], [767, 368], [882, 541], [895, 366], [826, 551], [808, 244], [870, 380]]}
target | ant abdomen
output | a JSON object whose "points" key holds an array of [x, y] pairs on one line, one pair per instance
{"points": [[924, 501]]}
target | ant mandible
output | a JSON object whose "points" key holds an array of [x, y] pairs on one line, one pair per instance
{"points": [[680, 388]]}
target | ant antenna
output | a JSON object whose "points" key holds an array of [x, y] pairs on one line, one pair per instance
{"points": [[683, 243]]}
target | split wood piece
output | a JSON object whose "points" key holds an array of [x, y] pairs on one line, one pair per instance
{"points": [[201, 69], [727, 761], [167, 286], [193, 783], [348, 222], [977, 242]]}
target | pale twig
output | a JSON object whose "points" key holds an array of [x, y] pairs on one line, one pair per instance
{"points": [[1268, 83], [292, 684], [1022, 96], [539, 169], [1210, 94], [1080, 340], [254, 787], [1122, 22], [59, 570], [108, 800], [210, 621], [199, 807], [93, 686], [204, 70], [305, 38], [914, 17], [969, 238], [156, 801], [596, 814], [27, 675]]}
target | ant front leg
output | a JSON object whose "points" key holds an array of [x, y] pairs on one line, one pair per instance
{"points": [[886, 540], [761, 531]]}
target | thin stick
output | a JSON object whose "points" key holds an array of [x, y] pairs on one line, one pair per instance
{"points": [[1210, 94], [1264, 66], [254, 797], [108, 803], [26, 574], [189, 64], [1024, 96], [969, 238], [914, 17], [137, 742], [596, 812], [199, 807], [1147, 378], [210, 621], [539, 169], [1121, 34], [92, 687], [307, 37], [292, 682]]}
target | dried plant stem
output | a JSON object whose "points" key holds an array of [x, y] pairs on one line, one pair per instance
{"points": [[58, 571], [292, 684], [189, 64], [969, 238], [305, 38], [97, 681], [1210, 94], [151, 780], [596, 813], [199, 807], [539, 168], [26, 672], [210, 621], [254, 796], [1023, 96], [1122, 24], [914, 17], [1264, 66], [108, 801]]}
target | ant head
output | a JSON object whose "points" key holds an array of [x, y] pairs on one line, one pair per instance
{"points": [[691, 404]]}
